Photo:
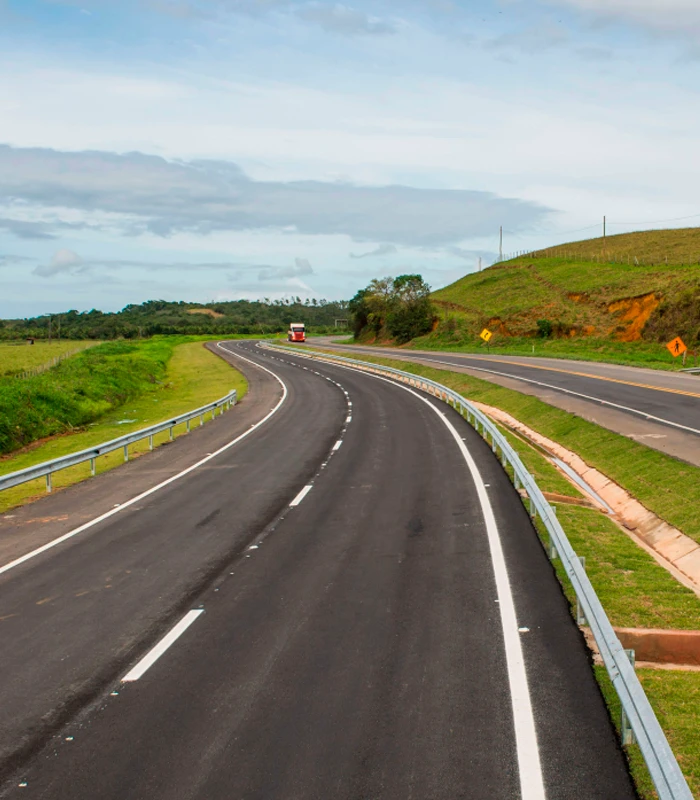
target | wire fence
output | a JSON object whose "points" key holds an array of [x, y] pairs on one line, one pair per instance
{"points": [[32, 372], [629, 259]]}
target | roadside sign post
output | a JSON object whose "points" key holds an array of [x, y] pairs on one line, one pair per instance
{"points": [[486, 335]]}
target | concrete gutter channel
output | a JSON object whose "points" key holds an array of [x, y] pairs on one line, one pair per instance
{"points": [[672, 549]]}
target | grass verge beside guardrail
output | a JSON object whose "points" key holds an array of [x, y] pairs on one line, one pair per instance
{"points": [[193, 377]]}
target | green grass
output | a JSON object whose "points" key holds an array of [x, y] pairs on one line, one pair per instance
{"points": [[18, 358], [582, 298], [637, 766], [548, 477], [675, 245], [79, 390], [194, 377], [635, 354], [675, 697], [636, 591]]}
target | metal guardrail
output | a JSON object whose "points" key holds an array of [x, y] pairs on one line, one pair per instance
{"points": [[638, 718], [47, 468]]}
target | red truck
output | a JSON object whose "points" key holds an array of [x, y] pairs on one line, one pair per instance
{"points": [[296, 332]]}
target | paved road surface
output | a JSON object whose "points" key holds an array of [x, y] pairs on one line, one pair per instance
{"points": [[659, 409], [350, 640]]}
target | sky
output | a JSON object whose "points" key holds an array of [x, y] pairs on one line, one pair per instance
{"points": [[210, 150]]}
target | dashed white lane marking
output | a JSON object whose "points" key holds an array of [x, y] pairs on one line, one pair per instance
{"points": [[336, 446], [529, 765], [158, 486], [302, 494], [167, 641]]}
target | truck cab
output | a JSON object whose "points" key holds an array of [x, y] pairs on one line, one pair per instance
{"points": [[296, 332]]}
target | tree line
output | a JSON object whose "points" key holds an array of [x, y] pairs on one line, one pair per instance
{"points": [[156, 317]]}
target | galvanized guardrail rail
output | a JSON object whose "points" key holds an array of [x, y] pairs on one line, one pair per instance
{"points": [[47, 468], [638, 719]]}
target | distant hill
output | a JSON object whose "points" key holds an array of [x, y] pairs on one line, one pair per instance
{"points": [[584, 289], [162, 317]]}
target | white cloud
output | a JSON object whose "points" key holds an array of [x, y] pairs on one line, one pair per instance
{"points": [[165, 197], [63, 262]]}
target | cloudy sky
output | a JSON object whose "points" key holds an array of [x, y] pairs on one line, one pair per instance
{"points": [[218, 149]]}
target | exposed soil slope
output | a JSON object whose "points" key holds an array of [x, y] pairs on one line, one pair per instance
{"points": [[578, 297]]}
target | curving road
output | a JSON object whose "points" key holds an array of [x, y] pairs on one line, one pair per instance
{"points": [[660, 409], [346, 601]]}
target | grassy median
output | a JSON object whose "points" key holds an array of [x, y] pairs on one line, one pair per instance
{"points": [[192, 376]]}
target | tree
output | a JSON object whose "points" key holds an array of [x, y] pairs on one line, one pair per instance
{"points": [[401, 306]]}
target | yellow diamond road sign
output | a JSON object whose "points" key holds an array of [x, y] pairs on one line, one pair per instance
{"points": [[486, 335], [676, 347]]}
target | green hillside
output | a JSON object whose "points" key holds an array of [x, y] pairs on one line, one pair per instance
{"points": [[583, 290]]}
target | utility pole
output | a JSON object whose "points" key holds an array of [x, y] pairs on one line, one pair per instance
{"points": [[500, 246], [604, 235], [479, 263]]}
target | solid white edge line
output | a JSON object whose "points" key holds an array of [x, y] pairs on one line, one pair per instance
{"points": [[157, 651], [594, 399], [302, 494], [336, 446], [157, 487], [529, 765]]}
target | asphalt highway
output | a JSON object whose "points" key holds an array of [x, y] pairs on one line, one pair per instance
{"points": [[660, 409], [347, 601]]}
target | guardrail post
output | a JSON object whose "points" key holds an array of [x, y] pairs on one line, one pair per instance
{"points": [[171, 433], [187, 425], [126, 452], [580, 616], [201, 420], [93, 467], [150, 442], [49, 487], [516, 480], [626, 732]]}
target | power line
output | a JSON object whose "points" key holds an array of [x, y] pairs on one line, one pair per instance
{"points": [[656, 221]]}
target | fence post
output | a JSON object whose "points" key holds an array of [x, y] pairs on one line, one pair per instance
{"points": [[626, 732], [580, 616]]}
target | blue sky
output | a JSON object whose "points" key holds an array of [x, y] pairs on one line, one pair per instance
{"points": [[217, 149]]}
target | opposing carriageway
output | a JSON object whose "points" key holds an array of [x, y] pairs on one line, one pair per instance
{"points": [[660, 409], [345, 632]]}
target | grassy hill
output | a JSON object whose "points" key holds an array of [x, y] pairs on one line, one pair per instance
{"points": [[583, 290]]}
